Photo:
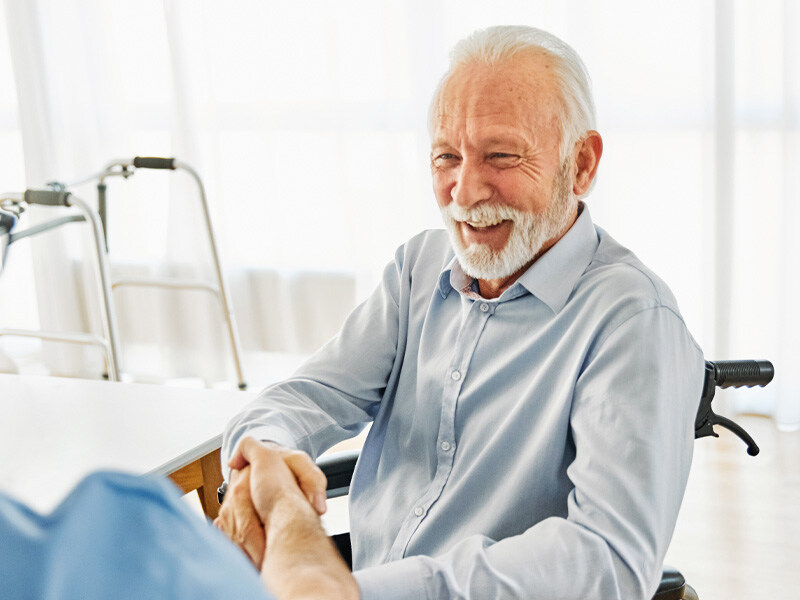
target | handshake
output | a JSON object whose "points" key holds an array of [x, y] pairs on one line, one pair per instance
{"points": [[271, 511]]}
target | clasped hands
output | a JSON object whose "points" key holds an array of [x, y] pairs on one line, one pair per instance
{"points": [[263, 473], [271, 511]]}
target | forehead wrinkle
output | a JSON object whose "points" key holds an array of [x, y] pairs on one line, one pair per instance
{"points": [[522, 91]]}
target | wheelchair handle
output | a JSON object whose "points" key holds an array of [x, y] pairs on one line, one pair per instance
{"points": [[738, 373], [724, 374]]}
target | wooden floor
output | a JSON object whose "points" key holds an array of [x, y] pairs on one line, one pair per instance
{"points": [[738, 535]]}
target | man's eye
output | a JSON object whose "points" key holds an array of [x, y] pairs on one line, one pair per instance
{"points": [[504, 159], [444, 159]]}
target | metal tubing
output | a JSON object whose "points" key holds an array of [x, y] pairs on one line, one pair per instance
{"points": [[57, 336], [101, 175], [226, 303], [47, 225], [107, 316], [170, 284], [101, 209]]}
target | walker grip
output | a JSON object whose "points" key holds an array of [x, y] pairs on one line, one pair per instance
{"points": [[47, 197], [154, 162]]}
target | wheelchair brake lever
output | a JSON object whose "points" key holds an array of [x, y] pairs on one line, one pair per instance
{"points": [[713, 418]]}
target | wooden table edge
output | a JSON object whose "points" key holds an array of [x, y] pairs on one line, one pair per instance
{"points": [[198, 469]]}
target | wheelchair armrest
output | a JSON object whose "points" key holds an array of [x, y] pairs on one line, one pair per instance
{"points": [[672, 585], [338, 468]]}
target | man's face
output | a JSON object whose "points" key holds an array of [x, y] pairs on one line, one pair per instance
{"points": [[497, 177]]}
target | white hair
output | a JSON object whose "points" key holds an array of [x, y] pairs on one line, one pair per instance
{"points": [[495, 45]]}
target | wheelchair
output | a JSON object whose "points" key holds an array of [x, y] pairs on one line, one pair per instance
{"points": [[338, 467]]}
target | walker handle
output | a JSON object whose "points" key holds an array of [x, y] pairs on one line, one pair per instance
{"points": [[154, 162], [47, 197]]}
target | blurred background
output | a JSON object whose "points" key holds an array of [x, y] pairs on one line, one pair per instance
{"points": [[307, 123]]}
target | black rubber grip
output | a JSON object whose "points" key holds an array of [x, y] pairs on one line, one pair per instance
{"points": [[338, 468], [736, 373], [153, 162], [46, 197]]}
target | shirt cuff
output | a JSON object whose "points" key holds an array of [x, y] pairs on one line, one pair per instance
{"points": [[400, 580]]}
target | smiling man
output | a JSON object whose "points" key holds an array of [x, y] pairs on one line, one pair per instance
{"points": [[531, 385]]}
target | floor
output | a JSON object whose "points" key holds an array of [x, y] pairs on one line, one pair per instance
{"points": [[738, 535]]}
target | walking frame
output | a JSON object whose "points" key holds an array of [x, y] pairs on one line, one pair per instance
{"points": [[59, 195]]}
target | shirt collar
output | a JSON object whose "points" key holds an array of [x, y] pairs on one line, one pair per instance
{"points": [[552, 277]]}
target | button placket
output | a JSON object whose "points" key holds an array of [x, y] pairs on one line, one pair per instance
{"points": [[465, 345]]}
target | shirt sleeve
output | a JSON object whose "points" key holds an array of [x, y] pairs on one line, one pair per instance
{"points": [[632, 423], [337, 391], [123, 537]]}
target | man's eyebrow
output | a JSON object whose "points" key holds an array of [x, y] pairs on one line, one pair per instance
{"points": [[440, 143]]}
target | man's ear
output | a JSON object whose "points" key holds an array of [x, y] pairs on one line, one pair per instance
{"points": [[587, 158]]}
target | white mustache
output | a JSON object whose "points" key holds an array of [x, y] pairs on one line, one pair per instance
{"points": [[483, 213]]}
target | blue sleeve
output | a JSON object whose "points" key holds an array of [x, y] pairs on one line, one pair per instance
{"points": [[123, 537]]}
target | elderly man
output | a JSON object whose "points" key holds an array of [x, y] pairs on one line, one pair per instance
{"points": [[531, 386]]}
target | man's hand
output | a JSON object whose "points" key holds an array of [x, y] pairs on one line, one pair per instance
{"points": [[300, 561], [239, 517]]}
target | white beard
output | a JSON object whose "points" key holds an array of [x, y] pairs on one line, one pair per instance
{"points": [[529, 232]]}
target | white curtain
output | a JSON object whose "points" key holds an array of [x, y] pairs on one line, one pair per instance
{"points": [[306, 121]]}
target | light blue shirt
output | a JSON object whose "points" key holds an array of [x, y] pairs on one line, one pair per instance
{"points": [[532, 446], [120, 537]]}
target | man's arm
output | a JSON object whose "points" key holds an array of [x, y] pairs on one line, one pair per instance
{"points": [[338, 390], [330, 398]]}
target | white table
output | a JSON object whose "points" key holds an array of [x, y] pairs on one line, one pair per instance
{"points": [[54, 431]]}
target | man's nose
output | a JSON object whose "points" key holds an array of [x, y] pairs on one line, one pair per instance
{"points": [[472, 185]]}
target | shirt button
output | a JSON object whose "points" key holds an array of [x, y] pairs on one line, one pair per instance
{"points": [[419, 511], [484, 307], [455, 375], [445, 446]]}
